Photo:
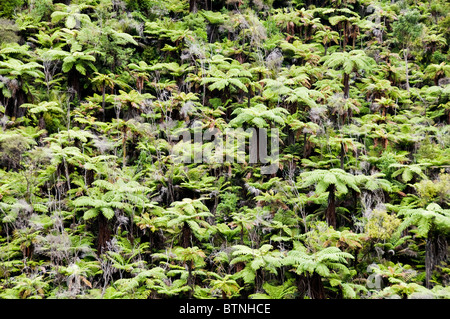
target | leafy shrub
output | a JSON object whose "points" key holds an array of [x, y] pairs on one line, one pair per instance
{"points": [[7, 8], [382, 225]]}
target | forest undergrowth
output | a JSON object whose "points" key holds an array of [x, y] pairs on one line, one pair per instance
{"points": [[98, 99]]}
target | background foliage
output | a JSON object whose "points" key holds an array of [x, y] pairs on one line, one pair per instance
{"points": [[93, 205]]}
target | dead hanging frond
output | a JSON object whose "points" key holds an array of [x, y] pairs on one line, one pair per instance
{"points": [[8, 86], [102, 143], [274, 60]]}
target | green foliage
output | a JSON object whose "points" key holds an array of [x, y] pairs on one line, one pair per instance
{"points": [[284, 291], [322, 179], [382, 225], [8, 31], [322, 262], [408, 27], [436, 190], [355, 60], [431, 218], [8, 8], [95, 204], [258, 116]]}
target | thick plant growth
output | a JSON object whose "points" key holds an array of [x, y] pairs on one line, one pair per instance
{"points": [[97, 97]]}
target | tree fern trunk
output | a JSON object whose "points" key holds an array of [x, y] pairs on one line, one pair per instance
{"points": [[331, 209], [258, 280], [193, 6], [307, 148], [302, 285], [435, 252], [249, 97], [190, 280], [346, 85], [186, 235], [124, 147], [103, 234], [19, 99], [41, 123], [103, 102], [315, 287], [290, 135], [74, 81], [429, 260], [344, 37]]}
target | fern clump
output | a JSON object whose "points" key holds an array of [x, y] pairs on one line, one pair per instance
{"points": [[381, 225]]}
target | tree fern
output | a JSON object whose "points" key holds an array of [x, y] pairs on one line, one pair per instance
{"points": [[424, 219], [333, 180], [258, 115], [255, 260], [284, 291], [321, 262], [409, 170]]}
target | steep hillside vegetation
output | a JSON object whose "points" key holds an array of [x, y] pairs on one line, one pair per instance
{"points": [[109, 108]]}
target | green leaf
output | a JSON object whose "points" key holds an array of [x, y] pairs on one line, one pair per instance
{"points": [[58, 16], [218, 85], [71, 22], [67, 66], [107, 212], [90, 213], [80, 68], [407, 175], [125, 37]]}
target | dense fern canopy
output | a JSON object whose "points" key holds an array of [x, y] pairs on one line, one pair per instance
{"points": [[224, 149]]}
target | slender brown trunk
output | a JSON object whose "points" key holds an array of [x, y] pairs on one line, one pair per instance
{"points": [[385, 143], [346, 85], [429, 260], [290, 136], [140, 83], [258, 280], [186, 234], [306, 146], [193, 6], [41, 123], [74, 81], [435, 253], [190, 279], [124, 147], [104, 234], [103, 102], [21, 98], [342, 155], [302, 285], [436, 81], [331, 208], [315, 287], [27, 251], [344, 38]]}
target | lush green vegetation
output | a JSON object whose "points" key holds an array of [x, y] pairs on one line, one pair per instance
{"points": [[94, 205]]}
